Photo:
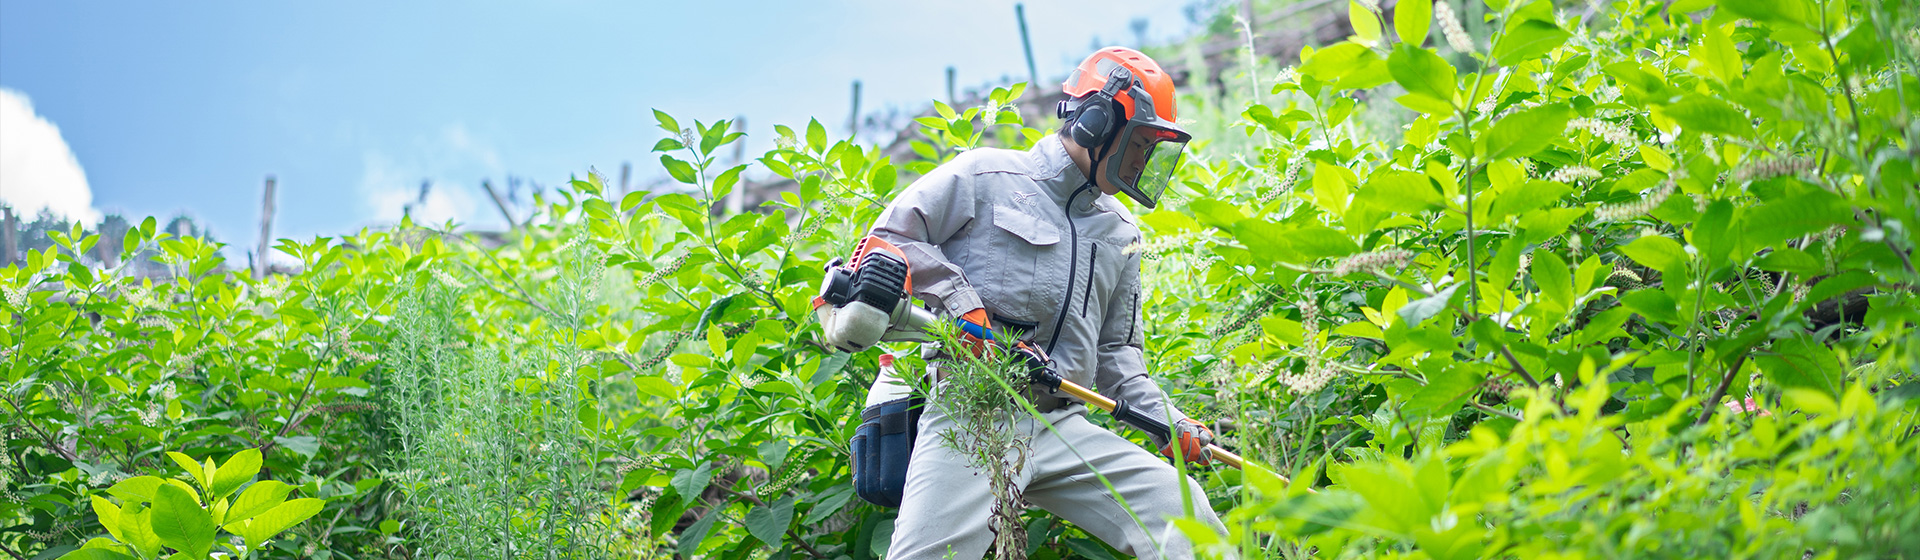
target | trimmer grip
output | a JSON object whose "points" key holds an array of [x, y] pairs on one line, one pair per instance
{"points": [[1133, 416]]}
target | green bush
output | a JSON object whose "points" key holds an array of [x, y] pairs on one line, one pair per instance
{"points": [[1489, 298]]}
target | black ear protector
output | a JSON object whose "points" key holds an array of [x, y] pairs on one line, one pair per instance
{"points": [[1092, 124], [1094, 121]]}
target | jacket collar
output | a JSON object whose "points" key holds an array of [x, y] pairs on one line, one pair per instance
{"points": [[1054, 169]]}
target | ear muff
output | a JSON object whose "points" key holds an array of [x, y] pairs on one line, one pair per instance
{"points": [[1093, 124]]}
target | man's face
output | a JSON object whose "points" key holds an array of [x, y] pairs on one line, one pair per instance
{"points": [[1133, 154]]}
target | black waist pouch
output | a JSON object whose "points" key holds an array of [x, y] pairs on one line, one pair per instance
{"points": [[881, 446]]}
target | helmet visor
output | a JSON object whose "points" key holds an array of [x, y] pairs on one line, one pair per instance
{"points": [[1147, 161]]}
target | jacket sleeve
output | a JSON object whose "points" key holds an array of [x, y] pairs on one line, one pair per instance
{"points": [[1121, 370], [926, 214]]}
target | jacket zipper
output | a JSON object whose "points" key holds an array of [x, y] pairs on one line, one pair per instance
{"points": [[1073, 262], [1092, 259]]}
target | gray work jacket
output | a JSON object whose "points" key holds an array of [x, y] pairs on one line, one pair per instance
{"points": [[990, 229]]}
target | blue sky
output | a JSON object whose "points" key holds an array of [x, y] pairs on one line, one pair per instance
{"points": [[187, 106]]}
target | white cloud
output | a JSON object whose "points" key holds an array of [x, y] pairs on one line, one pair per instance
{"points": [[453, 161], [37, 169]]}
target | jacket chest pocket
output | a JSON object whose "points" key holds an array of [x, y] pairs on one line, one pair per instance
{"points": [[1029, 267]]}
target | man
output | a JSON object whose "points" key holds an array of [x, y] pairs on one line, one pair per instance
{"points": [[1032, 242]]}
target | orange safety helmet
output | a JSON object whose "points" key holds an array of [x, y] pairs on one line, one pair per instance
{"points": [[1118, 93]]}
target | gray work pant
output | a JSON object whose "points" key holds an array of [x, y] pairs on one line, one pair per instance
{"points": [[947, 504]]}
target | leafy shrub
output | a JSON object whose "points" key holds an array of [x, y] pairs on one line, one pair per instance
{"points": [[1490, 298], [156, 514]]}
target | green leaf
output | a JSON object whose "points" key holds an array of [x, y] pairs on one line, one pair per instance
{"points": [[1529, 39], [240, 469], [1838, 285], [95, 554], [1330, 188], [717, 341], [181, 523], [306, 446], [1713, 236], [1347, 65], [274, 521], [1778, 12], [1800, 362], [1366, 26], [1446, 391], [690, 538], [109, 515], [632, 200], [1715, 52], [1699, 113], [1399, 191], [1656, 252], [666, 122], [1422, 73], [195, 468], [680, 170], [1215, 213], [769, 522], [828, 505], [691, 482], [1411, 19], [136, 524], [1524, 133], [1541, 225], [1792, 217], [1652, 304], [816, 136], [1419, 310], [883, 179], [723, 184], [713, 311], [656, 386], [1554, 279], [136, 489], [1088, 548], [1316, 242], [258, 498], [1788, 259], [1527, 197], [1166, 221]]}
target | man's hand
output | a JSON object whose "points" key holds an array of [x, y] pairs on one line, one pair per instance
{"points": [[975, 330], [1191, 438]]}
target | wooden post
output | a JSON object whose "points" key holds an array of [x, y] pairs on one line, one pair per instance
{"points": [[1246, 11], [853, 121], [501, 203], [626, 172], [8, 250], [737, 200], [1033, 74], [260, 264]]}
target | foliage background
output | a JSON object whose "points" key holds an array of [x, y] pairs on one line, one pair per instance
{"points": [[1609, 279]]}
